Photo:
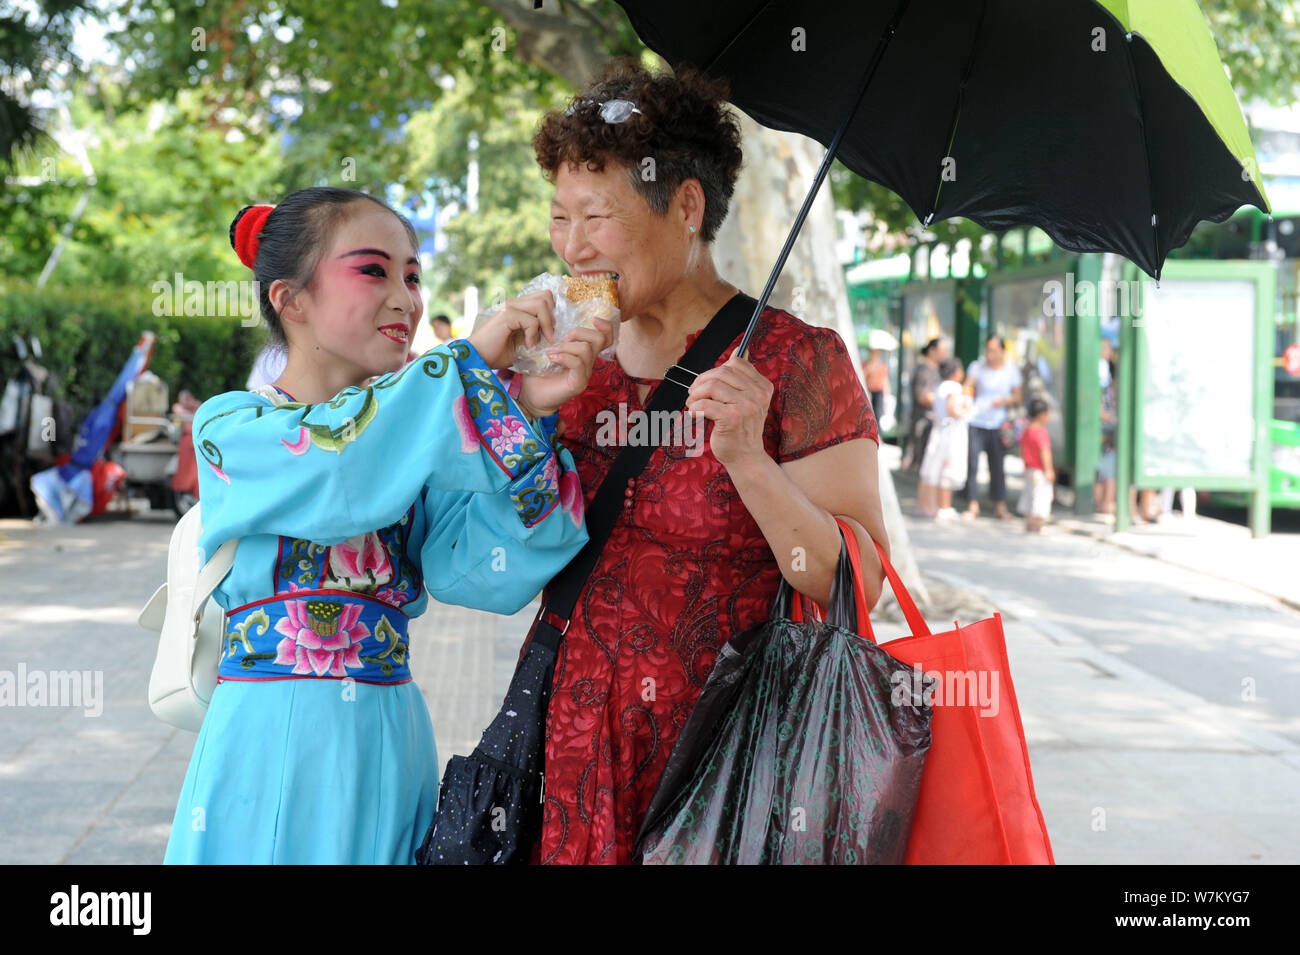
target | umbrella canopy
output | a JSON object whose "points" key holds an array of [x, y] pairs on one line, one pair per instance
{"points": [[1109, 124]]}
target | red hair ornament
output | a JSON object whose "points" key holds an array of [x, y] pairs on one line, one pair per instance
{"points": [[247, 233]]}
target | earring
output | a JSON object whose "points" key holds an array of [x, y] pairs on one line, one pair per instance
{"points": [[691, 228]]}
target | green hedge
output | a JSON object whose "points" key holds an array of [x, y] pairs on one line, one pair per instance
{"points": [[87, 336]]}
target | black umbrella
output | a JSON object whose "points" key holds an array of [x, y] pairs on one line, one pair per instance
{"points": [[1109, 124]]}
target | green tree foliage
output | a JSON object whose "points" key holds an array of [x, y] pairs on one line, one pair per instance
{"points": [[87, 334], [35, 44], [377, 95], [401, 104], [167, 186], [503, 243], [341, 78]]}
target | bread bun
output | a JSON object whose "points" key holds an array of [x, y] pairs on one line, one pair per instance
{"points": [[601, 292]]}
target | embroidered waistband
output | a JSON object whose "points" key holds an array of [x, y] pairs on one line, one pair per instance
{"points": [[329, 636]]}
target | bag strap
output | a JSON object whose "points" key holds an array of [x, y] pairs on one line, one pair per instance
{"points": [[911, 614], [670, 396], [848, 546], [859, 584], [212, 573]]}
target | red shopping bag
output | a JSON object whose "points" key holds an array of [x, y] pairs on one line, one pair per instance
{"points": [[977, 804]]}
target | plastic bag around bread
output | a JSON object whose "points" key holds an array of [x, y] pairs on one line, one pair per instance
{"points": [[578, 302]]}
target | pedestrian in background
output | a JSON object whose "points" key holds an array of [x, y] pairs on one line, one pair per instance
{"points": [[1040, 474], [1103, 492], [1186, 498], [875, 372], [925, 379], [943, 469], [995, 384]]}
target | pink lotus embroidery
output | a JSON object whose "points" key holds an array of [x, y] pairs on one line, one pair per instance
{"points": [[465, 425], [321, 637], [571, 497], [300, 446], [349, 560], [219, 473], [504, 434]]}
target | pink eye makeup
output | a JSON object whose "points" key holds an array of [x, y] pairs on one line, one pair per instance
{"points": [[376, 269]]}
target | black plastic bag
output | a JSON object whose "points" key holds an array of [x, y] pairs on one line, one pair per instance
{"points": [[794, 752]]}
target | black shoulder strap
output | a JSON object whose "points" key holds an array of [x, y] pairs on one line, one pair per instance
{"points": [[669, 396]]}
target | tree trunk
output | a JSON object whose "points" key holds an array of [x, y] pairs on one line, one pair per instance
{"points": [[779, 168]]}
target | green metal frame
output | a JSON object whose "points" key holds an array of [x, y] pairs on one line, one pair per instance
{"points": [[1129, 450], [1083, 392], [886, 290]]}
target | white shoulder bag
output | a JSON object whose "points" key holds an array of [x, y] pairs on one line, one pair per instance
{"points": [[191, 626]]}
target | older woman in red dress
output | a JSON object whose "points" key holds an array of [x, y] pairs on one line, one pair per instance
{"points": [[644, 167]]}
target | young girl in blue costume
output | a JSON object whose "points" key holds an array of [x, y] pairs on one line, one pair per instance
{"points": [[352, 484]]}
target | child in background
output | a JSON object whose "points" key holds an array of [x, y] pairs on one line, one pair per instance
{"points": [[1040, 475], [943, 467]]}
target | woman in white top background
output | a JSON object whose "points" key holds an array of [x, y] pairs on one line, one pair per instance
{"points": [[943, 466], [997, 386]]}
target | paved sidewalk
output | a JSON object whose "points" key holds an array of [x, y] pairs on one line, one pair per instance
{"points": [[1270, 564], [1130, 769], [1128, 766], [1142, 750], [80, 788]]}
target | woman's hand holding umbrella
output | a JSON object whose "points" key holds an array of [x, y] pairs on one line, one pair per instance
{"points": [[735, 397]]}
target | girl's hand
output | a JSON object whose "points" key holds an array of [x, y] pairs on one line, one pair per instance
{"points": [[519, 321], [576, 351], [735, 397]]}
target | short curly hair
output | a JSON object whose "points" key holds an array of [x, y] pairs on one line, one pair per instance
{"points": [[684, 126]]}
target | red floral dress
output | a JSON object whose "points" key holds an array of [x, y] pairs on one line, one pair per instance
{"points": [[684, 569]]}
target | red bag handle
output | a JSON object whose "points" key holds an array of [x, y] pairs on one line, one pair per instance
{"points": [[859, 585], [911, 614]]}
